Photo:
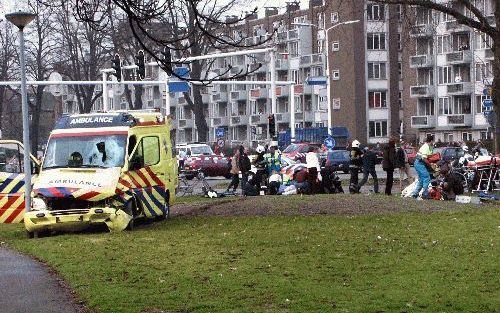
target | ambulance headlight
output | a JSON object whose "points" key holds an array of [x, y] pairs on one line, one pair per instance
{"points": [[38, 204]]}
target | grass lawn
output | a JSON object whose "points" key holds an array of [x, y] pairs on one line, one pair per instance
{"points": [[446, 261]]}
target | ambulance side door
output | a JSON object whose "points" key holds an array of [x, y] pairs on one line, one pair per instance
{"points": [[147, 172], [171, 167], [12, 181]]}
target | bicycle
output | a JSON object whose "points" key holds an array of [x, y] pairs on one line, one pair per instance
{"points": [[188, 186]]}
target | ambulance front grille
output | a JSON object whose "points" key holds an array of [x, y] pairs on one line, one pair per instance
{"points": [[68, 212], [69, 204]]}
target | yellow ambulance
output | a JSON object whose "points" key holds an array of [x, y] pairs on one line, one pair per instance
{"points": [[104, 168], [12, 180]]}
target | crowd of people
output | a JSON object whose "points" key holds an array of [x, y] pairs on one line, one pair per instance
{"points": [[433, 180]]}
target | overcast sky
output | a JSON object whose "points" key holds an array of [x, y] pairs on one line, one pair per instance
{"points": [[9, 5]]}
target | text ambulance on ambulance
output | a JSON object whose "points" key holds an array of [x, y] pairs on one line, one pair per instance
{"points": [[106, 168], [12, 180]]}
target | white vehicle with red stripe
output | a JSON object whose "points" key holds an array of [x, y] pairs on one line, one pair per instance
{"points": [[104, 168], [200, 157]]}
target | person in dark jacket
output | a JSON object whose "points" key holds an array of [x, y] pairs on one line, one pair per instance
{"points": [[369, 162], [355, 164], [388, 164], [245, 167]]}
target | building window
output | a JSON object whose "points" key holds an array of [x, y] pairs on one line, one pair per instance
{"points": [[484, 71], [321, 20], [335, 46], [321, 45], [400, 46], [335, 74], [400, 70], [444, 106], [466, 136], [336, 104], [376, 70], [400, 99], [484, 41], [376, 41], [447, 137], [377, 128], [375, 12], [335, 17], [377, 99], [443, 44], [485, 135], [445, 75]]}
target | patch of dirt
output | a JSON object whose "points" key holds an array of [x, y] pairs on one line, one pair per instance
{"points": [[311, 205]]}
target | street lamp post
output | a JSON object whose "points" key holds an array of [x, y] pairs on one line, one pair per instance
{"points": [[328, 83], [20, 19]]}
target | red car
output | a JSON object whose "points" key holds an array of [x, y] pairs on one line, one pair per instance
{"points": [[297, 151], [200, 157]]}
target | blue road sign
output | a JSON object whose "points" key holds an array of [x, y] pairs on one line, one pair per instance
{"points": [[317, 80], [488, 103], [329, 142], [176, 85], [219, 132]]}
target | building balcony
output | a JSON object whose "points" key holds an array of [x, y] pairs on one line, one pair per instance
{"points": [[219, 121], [488, 54], [424, 91], [293, 34], [311, 59], [423, 121], [463, 88], [455, 27], [303, 89], [237, 69], [282, 65], [283, 117], [205, 97], [259, 93], [219, 97], [305, 116], [186, 123], [258, 119], [421, 61], [257, 68], [239, 95], [459, 120], [426, 30], [239, 120], [459, 57], [282, 91]]}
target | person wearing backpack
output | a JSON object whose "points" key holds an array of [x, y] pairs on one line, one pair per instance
{"points": [[245, 167]]}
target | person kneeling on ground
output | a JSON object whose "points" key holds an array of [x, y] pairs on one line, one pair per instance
{"points": [[274, 183], [301, 178], [451, 184]]}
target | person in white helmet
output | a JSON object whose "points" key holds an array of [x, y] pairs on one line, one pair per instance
{"points": [[260, 164], [466, 157], [356, 162]]}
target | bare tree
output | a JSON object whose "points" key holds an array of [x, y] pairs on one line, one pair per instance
{"points": [[7, 61], [82, 51], [471, 14]]}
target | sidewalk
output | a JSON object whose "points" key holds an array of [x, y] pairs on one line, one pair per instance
{"points": [[28, 287]]}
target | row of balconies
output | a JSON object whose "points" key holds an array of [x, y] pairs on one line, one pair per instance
{"points": [[456, 57], [428, 30], [443, 121], [429, 91], [254, 119]]}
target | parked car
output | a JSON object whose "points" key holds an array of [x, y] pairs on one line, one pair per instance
{"points": [[200, 157], [411, 153], [449, 154], [338, 160], [298, 151]]}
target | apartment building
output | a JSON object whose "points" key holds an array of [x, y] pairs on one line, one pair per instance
{"points": [[449, 67]]}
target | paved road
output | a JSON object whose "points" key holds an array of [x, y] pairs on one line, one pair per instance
{"points": [[28, 287]]}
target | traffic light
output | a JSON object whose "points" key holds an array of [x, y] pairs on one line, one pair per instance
{"points": [[167, 57], [272, 125], [141, 63], [117, 66]]}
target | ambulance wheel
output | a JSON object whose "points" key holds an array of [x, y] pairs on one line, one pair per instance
{"points": [[130, 209], [30, 234]]}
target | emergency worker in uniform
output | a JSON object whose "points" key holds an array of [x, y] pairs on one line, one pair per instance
{"points": [[422, 167], [260, 164], [273, 160], [356, 162]]}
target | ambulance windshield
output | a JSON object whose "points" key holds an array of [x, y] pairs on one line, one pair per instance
{"points": [[85, 151]]}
